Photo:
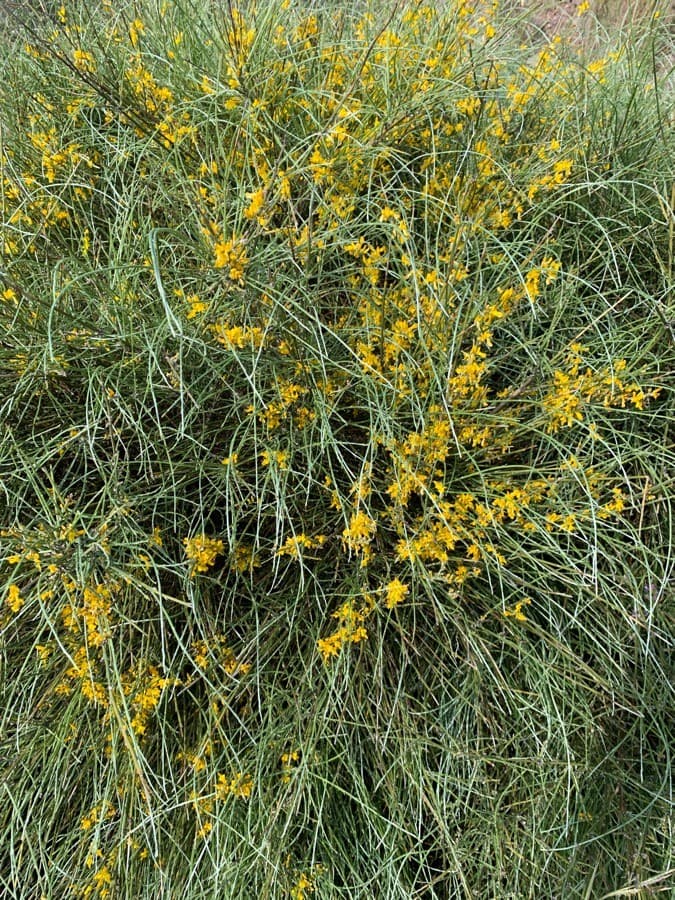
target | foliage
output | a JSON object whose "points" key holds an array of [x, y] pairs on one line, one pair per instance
{"points": [[336, 385]]}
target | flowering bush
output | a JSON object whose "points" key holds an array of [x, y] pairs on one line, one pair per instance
{"points": [[337, 377]]}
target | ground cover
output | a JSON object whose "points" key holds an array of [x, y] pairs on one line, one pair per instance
{"points": [[336, 471]]}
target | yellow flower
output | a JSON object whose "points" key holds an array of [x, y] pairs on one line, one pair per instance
{"points": [[516, 611], [256, 202], [320, 166], [294, 545], [396, 593], [351, 629], [100, 879], [301, 887], [197, 306], [14, 599], [468, 105], [359, 533], [562, 170], [615, 506], [241, 786], [84, 61], [135, 29], [237, 336], [288, 764], [202, 552], [231, 255], [44, 652], [215, 651], [279, 457]]}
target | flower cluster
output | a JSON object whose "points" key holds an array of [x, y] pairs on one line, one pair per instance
{"points": [[202, 551]]}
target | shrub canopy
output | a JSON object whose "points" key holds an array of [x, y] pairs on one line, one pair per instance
{"points": [[336, 376]]}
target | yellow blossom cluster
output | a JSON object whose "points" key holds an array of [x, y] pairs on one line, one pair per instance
{"points": [[359, 534], [239, 785], [238, 336], [396, 592], [351, 629], [232, 256], [574, 390], [294, 545], [143, 686], [14, 599], [202, 550]]}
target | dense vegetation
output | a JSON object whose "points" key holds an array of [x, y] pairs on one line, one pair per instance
{"points": [[336, 471]]}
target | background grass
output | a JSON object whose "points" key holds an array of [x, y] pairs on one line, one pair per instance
{"points": [[336, 465]]}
